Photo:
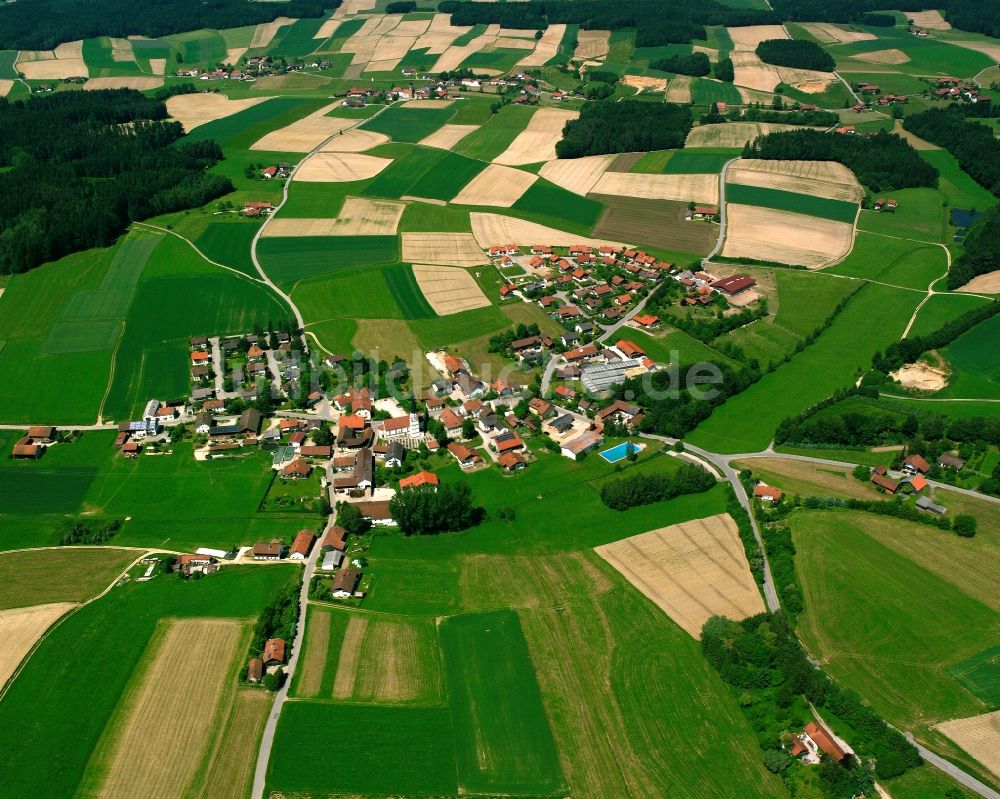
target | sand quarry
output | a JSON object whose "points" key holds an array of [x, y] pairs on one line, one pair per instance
{"points": [[984, 284], [643, 83], [21, 628], [192, 110], [734, 134], [537, 142], [701, 188], [442, 249], [340, 167], [921, 376], [979, 736], [447, 136], [764, 234], [691, 571], [499, 186], [493, 229], [358, 217], [577, 175], [449, 289], [66, 61], [828, 179]]}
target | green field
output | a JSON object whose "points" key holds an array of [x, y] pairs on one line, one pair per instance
{"points": [[706, 92], [900, 262], [380, 751], [387, 292], [229, 243], [926, 56], [921, 215], [337, 627], [100, 64], [959, 190], [204, 48], [698, 161], [71, 574], [973, 357], [895, 646], [7, 59], [240, 130], [50, 726], [503, 741], [981, 675], [410, 125], [837, 210], [319, 200], [288, 260], [296, 40], [942, 308], [496, 135], [746, 422], [558, 206], [424, 172]]}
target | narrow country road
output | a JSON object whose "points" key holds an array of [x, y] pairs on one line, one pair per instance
{"points": [[953, 771], [722, 213]]}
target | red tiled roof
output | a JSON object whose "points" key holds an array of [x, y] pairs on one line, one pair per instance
{"points": [[274, 650], [419, 479], [825, 741], [303, 542]]}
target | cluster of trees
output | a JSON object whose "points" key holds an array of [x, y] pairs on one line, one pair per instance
{"points": [[501, 341], [818, 118], [781, 556], [798, 53], [68, 20], [88, 531], [755, 558], [877, 20], [277, 620], [882, 162], [709, 328], [628, 126], [724, 70], [644, 489], [974, 146], [762, 656], [83, 165], [401, 7], [696, 64], [894, 507], [907, 350], [350, 518], [426, 511]]}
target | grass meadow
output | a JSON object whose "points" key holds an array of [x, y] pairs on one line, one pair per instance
{"points": [[958, 189], [229, 243], [496, 135], [837, 210], [100, 64], [240, 130], [69, 574], [325, 628], [981, 675], [928, 56], [50, 727], [424, 172], [380, 292], [922, 215], [972, 356], [559, 207], [290, 259], [706, 92], [899, 262], [410, 125]]}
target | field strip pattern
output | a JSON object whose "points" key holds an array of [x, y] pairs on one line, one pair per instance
{"points": [[494, 229], [358, 217], [442, 249], [324, 167], [350, 656], [449, 289], [192, 110], [497, 185], [401, 663], [304, 134], [828, 179], [577, 175], [169, 718], [314, 663], [701, 188], [21, 628], [691, 571], [537, 142], [448, 136]]}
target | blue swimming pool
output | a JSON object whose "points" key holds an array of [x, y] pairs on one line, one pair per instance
{"points": [[620, 451]]}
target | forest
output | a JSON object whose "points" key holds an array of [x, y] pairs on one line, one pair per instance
{"points": [[696, 64], [68, 20], [625, 127], [83, 165], [982, 250], [796, 53], [882, 162], [644, 489], [974, 146]]}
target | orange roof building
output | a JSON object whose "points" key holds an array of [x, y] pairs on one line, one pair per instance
{"points": [[423, 478]]}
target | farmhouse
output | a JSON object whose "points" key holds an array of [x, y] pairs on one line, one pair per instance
{"points": [[298, 469], [647, 321], [345, 582], [452, 422], [621, 412], [733, 284], [423, 478], [360, 478], [42, 434], [946, 462], [467, 458], [511, 462], [301, 545], [265, 551], [629, 349], [376, 511], [400, 426], [880, 481], [255, 670], [334, 538], [929, 505], [815, 739], [274, 652], [26, 449], [332, 560], [915, 464], [766, 493]]}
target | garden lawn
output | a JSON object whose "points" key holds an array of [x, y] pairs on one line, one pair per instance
{"points": [[290, 259], [411, 125], [746, 422]]}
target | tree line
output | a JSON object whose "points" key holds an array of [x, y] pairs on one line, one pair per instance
{"points": [[974, 146], [83, 165], [644, 489], [797, 53], [882, 162], [817, 118], [68, 20], [907, 350], [628, 126]]}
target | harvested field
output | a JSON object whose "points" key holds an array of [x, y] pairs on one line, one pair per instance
{"points": [[358, 217], [230, 770], [427, 103], [828, 179], [834, 34], [134, 82], [921, 376], [991, 48], [497, 185], [66, 61], [5, 86], [449, 289], [165, 723], [266, 31], [304, 134], [892, 56], [354, 140], [21, 628], [234, 54], [733, 134], [577, 175], [979, 736], [401, 663], [537, 142], [679, 90], [328, 28], [350, 651], [755, 74], [443, 249], [492, 229], [643, 83], [448, 136], [928, 19], [591, 44], [121, 50], [768, 235], [659, 223], [985, 284], [748, 37], [158, 65], [314, 662], [546, 47], [340, 167], [691, 571], [699, 188], [439, 35], [192, 110]]}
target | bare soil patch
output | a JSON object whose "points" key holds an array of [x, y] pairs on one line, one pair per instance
{"points": [[921, 376], [691, 571], [350, 651], [928, 19], [493, 229], [497, 185], [168, 720], [748, 37], [192, 110], [443, 249], [892, 56], [340, 167], [644, 82], [659, 223], [984, 284], [448, 136], [21, 628], [979, 736], [828, 179], [449, 289], [765, 234], [133, 82], [591, 44], [577, 175], [701, 188], [537, 142], [314, 662], [158, 65]]}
